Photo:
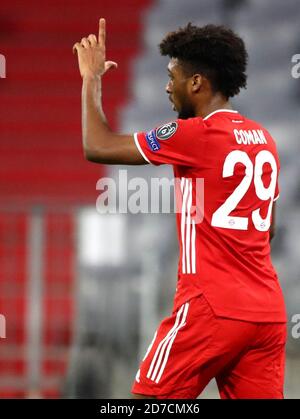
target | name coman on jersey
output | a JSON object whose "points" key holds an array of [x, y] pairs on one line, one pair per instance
{"points": [[226, 257]]}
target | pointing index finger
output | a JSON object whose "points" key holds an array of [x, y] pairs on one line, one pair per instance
{"points": [[102, 32]]}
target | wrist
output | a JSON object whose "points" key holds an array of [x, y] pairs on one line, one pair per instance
{"points": [[91, 78]]}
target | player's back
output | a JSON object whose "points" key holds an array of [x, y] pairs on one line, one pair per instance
{"points": [[239, 166], [225, 255]]}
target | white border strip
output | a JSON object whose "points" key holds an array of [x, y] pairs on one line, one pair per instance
{"points": [[184, 191], [188, 227], [193, 247], [135, 136], [138, 374], [219, 110], [171, 341], [160, 349]]}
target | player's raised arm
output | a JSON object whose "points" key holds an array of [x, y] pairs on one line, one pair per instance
{"points": [[100, 144]]}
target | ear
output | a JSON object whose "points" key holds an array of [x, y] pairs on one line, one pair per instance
{"points": [[197, 81]]}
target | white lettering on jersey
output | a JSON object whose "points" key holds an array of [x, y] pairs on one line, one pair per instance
{"points": [[221, 217], [251, 136]]}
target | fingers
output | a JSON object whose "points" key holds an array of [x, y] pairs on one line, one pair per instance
{"points": [[76, 47], [102, 32], [85, 43], [93, 40]]}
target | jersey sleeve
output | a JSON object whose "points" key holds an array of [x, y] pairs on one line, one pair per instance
{"points": [[178, 142]]}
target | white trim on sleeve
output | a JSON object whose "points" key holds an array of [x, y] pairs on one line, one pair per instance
{"points": [[275, 199], [139, 147]]}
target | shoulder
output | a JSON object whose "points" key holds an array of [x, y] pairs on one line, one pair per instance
{"points": [[178, 126]]}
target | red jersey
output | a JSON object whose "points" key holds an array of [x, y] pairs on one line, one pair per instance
{"points": [[223, 226]]}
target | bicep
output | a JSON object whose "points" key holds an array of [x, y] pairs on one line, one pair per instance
{"points": [[120, 149]]}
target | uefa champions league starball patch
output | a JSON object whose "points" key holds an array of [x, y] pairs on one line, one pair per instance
{"points": [[166, 131]]}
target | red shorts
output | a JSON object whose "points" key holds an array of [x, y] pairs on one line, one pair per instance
{"points": [[193, 346]]}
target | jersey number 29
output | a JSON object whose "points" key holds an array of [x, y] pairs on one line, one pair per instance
{"points": [[221, 217]]}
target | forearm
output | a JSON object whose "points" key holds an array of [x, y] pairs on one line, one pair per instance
{"points": [[95, 131]]}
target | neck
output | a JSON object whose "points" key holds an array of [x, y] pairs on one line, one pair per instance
{"points": [[213, 104]]}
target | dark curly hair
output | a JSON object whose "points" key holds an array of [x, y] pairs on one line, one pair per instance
{"points": [[214, 51]]}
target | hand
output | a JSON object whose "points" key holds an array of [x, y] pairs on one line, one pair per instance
{"points": [[91, 54]]}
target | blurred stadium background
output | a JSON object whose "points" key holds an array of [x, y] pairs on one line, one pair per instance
{"points": [[83, 293]]}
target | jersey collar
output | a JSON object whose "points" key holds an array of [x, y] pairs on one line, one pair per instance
{"points": [[219, 110]]}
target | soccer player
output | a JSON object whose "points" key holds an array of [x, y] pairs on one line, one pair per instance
{"points": [[229, 318]]}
